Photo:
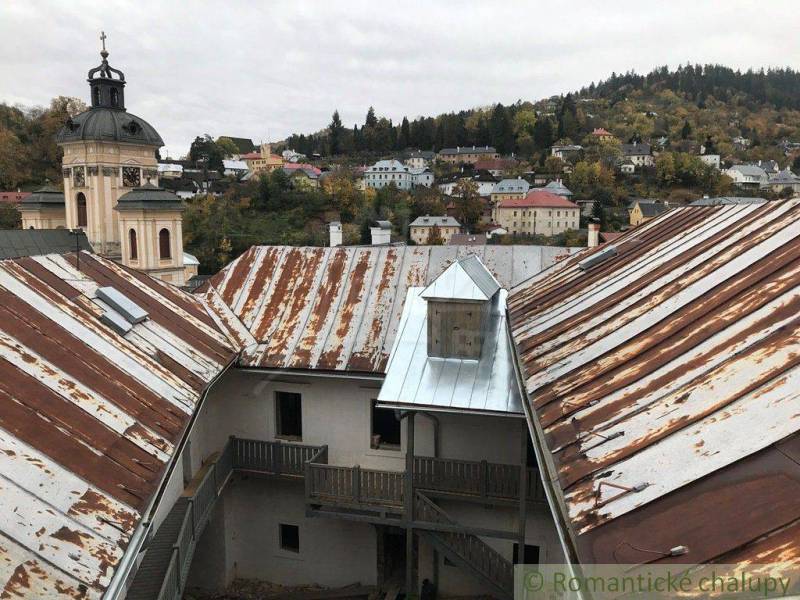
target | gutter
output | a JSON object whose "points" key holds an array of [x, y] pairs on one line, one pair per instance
{"points": [[546, 468], [116, 588]]}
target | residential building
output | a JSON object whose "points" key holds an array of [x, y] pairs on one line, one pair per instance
{"points": [[484, 181], [558, 188], [387, 172], [303, 174], [422, 228], [419, 159], [263, 160], [538, 213], [506, 189], [602, 135], [467, 154], [782, 181], [170, 170], [421, 176], [235, 168], [496, 166], [639, 154], [712, 160], [747, 176], [300, 418], [13, 197], [566, 152], [770, 167], [627, 167], [43, 209], [643, 210]]}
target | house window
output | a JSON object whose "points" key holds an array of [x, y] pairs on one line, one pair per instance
{"points": [[385, 431], [132, 243], [531, 555], [290, 537], [164, 250], [288, 415], [82, 217]]}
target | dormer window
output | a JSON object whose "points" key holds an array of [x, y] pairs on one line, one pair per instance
{"points": [[459, 304]]}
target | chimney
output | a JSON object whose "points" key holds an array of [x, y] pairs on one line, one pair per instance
{"points": [[335, 233], [381, 233], [594, 233]]}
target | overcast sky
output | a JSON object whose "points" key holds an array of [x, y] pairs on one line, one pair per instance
{"points": [[267, 69]]}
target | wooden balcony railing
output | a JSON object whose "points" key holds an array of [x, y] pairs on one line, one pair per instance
{"points": [[483, 479]]}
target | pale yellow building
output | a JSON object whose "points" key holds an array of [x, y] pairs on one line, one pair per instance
{"points": [[645, 210], [538, 213], [421, 229], [43, 209], [508, 189], [110, 184], [263, 160]]}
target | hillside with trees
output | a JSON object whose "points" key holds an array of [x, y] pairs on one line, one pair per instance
{"points": [[691, 102]]}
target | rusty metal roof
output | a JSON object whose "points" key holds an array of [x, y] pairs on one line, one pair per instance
{"points": [[88, 418], [665, 384], [338, 309]]}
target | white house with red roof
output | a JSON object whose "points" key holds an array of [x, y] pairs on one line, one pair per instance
{"points": [[537, 213]]}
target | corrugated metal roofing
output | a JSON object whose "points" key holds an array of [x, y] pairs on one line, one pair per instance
{"points": [[88, 418], [666, 383], [451, 384], [338, 309]]}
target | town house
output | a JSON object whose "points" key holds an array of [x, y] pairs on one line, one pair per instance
{"points": [[538, 213]]}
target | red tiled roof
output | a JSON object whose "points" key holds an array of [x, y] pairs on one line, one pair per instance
{"points": [[537, 199], [304, 166], [13, 197], [610, 236], [251, 156], [601, 131]]}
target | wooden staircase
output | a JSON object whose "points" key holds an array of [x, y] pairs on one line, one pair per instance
{"points": [[467, 551]]}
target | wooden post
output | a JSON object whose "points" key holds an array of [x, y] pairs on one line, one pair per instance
{"points": [[523, 491], [411, 587], [357, 484]]}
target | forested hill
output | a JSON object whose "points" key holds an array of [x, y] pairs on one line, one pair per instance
{"points": [[691, 102]]}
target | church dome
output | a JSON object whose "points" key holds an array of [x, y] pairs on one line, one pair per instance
{"points": [[107, 119], [44, 197], [109, 125], [149, 196]]}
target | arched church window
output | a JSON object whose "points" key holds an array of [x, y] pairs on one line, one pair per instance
{"points": [[132, 243], [114, 97], [96, 96], [163, 244], [82, 218]]}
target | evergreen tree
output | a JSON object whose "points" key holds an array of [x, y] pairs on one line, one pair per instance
{"points": [[543, 133], [371, 120], [405, 134], [501, 129], [335, 134], [686, 130]]}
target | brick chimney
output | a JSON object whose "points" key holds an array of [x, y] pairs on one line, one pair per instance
{"points": [[594, 233]]}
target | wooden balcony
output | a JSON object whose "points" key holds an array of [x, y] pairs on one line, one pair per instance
{"points": [[365, 489]]}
